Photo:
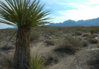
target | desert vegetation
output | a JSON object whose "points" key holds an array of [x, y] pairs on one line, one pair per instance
{"points": [[71, 48]]}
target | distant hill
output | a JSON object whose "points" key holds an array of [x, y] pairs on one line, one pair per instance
{"points": [[11, 28], [69, 23]]}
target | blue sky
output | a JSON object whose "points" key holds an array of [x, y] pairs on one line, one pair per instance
{"points": [[72, 9], [62, 10]]}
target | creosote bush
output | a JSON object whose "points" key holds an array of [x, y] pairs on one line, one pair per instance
{"points": [[71, 41], [69, 45]]}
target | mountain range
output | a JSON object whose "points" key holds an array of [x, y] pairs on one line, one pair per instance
{"points": [[70, 23]]}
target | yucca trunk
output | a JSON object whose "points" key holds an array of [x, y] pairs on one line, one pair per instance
{"points": [[22, 51]]}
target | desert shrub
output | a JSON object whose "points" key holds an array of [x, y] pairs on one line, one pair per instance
{"points": [[35, 35], [11, 32], [51, 61], [69, 45], [50, 30], [91, 39], [7, 62], [78, 33], [36, 62], [49, 42], [1, 37], [93, 61], [92, 31], [71, 41]]}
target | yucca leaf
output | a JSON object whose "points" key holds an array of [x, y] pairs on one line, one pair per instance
{"points": [[23, 13]]}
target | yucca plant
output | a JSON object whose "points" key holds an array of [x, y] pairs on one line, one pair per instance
{"points": [[24, 14], [36, 62]]}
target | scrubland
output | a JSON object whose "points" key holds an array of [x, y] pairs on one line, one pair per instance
{"points": [[55, 48]]}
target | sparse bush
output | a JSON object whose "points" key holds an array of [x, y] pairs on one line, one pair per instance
{"points": [[69, 45], [85, 43], [36, 62], [49, 42], [51, 61], [92, 31], [71, 41], [50, 30], [35, 35], [78, 33], [7, 62], [1, 37], [92, 40]]}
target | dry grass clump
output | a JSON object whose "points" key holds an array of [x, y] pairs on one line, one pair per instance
{"points": [[7, 62], [36, 62]]}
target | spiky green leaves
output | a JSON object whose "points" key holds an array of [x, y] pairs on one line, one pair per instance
{"points": [[23, 13], [36, 62]]}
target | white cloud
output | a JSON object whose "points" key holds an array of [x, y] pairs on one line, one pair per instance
{"points": [[93, 2], [83, 11]]}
